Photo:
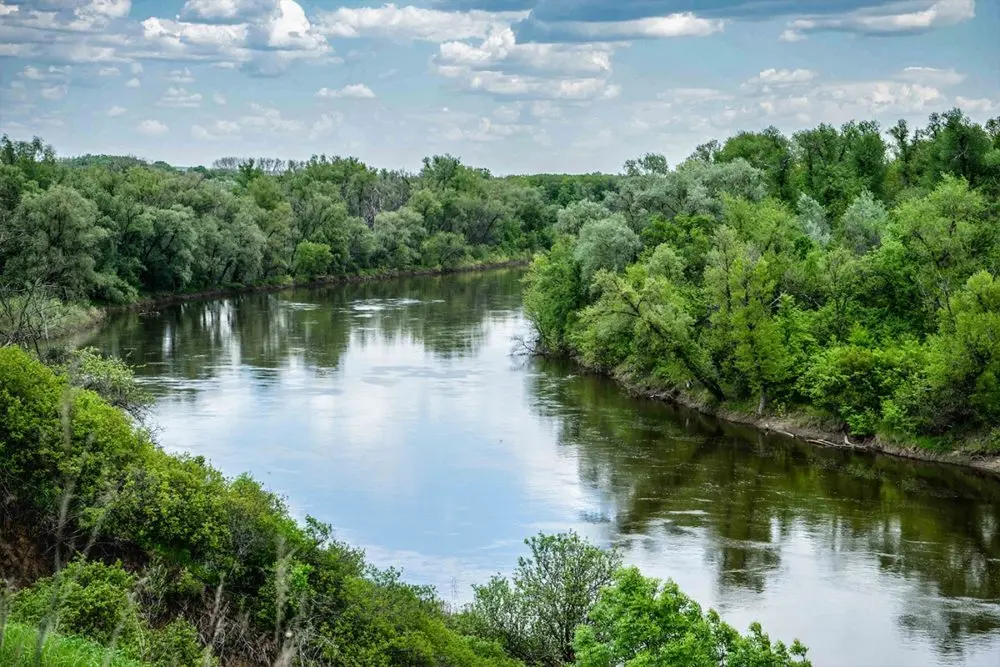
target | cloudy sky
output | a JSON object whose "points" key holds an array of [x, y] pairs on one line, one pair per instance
{"points": [[512, 85]]}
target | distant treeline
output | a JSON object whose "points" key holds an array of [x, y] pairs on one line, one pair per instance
{"points": [[111, 228]]}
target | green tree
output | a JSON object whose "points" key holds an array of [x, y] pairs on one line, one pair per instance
{"points": [[605, 244], [553, 291], [639, 622], [551, 593], [54, 237], [312, 259]]}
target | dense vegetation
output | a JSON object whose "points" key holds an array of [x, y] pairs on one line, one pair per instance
{"points": [[109, 229], [830, 275], [159, 559]]}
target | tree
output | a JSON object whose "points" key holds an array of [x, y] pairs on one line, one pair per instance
{"points": [[54, 238], [444, 249], [655, 319], [551, 593], [312, 259], [570, 219], [963, 372], [650, 163], [771, 152], [746, 337], [813, 218], [944, 237], [553, 291], [863, 224], [639, 622], [605, 244]]}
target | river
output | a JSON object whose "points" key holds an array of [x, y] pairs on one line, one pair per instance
{"points": [[396, 412]]}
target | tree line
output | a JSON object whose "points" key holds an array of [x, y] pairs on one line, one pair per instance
{"points": [[110, 229], [844, 277]]}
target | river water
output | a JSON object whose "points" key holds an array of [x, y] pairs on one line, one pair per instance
{"points": [[396, 412]]}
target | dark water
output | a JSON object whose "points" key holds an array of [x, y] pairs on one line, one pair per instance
{"points": [[395, 412]]}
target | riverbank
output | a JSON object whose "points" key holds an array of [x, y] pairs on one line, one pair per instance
{"points": [[801, 427], [167, 299], [90, 317]]}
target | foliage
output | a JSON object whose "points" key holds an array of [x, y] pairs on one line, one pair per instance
{"points": [[110, 229], [20, 648], [312, 259], [606, 244], [554, 289], [535, 614], [639, 622], [89, 599], [813, 274]]}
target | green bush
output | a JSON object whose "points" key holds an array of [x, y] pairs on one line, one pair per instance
{"points": [[20, 649], [312, 259], [86, 598], [639, 622], [853, 382], [52, 433], [176, 645], [444, 249]]}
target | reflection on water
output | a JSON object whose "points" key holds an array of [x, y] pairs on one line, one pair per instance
{"points": [[395, 411]]}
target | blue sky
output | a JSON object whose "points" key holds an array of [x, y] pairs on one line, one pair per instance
{"points": [[512, 85]]}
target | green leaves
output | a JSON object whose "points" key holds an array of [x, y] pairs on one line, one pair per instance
{"points": [[639, 622], [535, 615]]}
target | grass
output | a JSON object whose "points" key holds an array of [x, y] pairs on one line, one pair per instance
{"points": [[19, 644]]}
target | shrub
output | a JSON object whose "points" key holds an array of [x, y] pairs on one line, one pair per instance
{"points": [[312, 259], [638, 622]]}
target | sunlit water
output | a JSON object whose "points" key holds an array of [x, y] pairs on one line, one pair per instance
{"points": [[396, 412]]}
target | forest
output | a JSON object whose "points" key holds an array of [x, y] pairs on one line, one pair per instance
{"points": [[838, 278], [841, 276], [114, 229]]}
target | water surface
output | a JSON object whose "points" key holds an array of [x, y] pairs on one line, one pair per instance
{"points": [[396, 412]]}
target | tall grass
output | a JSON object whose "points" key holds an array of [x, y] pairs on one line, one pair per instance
{"points": [[19, 648]]}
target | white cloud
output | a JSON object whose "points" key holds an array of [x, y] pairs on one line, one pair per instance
{"points": [[50, 73], [781, 77], [180, 98], [219, 99], [270, 120], [116, 111], [152, 128], [932, 76], [265, 120], [180, 76], [980, 105], [136, 68], [54, 93], [265, 44], [789, 35], [228, 10], [354, 90], [133, 83], [404, 23], [323, 125], [500, 48], [684, 24], [508, 113], [904, 16], [108, 71], [457, 127], [524, 86], [220, 129]]}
